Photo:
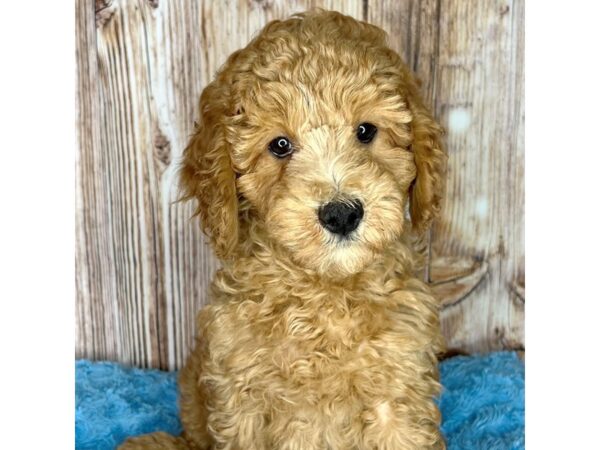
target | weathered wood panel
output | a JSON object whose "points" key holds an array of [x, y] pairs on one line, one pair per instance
{"points": [[479, 95], [142, 264]]}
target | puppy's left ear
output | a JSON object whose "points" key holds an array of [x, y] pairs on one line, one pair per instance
{"points": [[427, 190]]}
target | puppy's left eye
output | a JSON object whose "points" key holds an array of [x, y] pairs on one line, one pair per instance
{"points": [[281, 147], [366, 132]]}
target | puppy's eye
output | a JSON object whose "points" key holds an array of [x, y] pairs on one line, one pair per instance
{"points": [[281, 147], [366, 132]]}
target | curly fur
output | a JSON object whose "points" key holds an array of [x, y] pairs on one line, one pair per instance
{"points": [[311, 341]]}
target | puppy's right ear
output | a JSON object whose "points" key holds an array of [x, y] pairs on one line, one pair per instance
{"points": [[207, 173]]}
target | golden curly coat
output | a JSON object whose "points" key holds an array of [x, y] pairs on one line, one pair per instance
{"points": [[313, 339]]}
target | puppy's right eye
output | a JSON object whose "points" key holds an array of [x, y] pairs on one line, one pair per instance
{"points": [[281, 147], [366, 132]]}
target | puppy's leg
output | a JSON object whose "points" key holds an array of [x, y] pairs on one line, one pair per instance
{"points": [[391, 425], [192, 401], [158, 441]]}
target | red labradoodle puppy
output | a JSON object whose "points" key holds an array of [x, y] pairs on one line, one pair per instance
{"points": [[315, 166]]}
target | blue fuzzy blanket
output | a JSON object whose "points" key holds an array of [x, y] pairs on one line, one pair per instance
{"points": [[482, 403]]}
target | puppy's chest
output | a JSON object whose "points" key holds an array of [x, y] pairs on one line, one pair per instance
{"points": [[326, 350]]}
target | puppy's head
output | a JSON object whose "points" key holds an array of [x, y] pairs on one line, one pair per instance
{"points": [[315, 136]]}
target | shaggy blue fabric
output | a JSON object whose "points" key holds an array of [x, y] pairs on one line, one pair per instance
{"points": [[113, 402], [482, 403]]}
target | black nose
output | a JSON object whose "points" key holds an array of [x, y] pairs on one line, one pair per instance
{"points": [[341, 218]]}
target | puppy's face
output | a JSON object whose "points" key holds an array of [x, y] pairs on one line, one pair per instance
{"points": [[325, 141], [327, 165]]}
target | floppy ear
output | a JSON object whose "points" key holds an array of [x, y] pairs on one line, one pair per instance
{"points": [[430, 158], [207, 174]]}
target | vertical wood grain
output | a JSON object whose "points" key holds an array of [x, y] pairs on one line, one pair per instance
{"points": [[479, 96], [94, 281], [143, 266]]}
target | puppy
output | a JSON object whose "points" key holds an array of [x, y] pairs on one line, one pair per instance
{"points": [[315, 166]]}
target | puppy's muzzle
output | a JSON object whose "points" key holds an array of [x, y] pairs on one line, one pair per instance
{"points": [[341, 218]]}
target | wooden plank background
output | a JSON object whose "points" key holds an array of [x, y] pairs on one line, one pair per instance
{"points": [[142, 264]]}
